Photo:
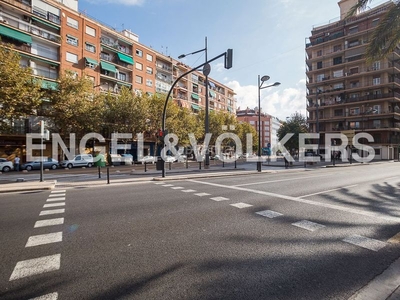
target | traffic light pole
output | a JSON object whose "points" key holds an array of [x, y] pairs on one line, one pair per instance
{"points": [[228, 65]]}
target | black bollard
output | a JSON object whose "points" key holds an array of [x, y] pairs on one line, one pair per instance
{"points": [[108, 175], [145, 166], [98, 168]]}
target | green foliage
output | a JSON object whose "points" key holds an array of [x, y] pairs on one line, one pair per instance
{"points": [[296, 124], [20, 94], [386, 36]]}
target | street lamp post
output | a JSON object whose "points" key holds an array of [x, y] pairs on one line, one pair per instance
{"points": [[260, 87], [206, 72]]}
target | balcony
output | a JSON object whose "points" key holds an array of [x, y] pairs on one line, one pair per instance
{"points": [[46, 74], [22, 4], [46, 15], [115, 46]]}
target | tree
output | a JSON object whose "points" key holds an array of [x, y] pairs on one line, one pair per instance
{"points": [[20, 93], [74, 106], [386, 36], [296, 124]]}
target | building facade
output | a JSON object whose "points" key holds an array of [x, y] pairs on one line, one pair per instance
{"points": [[250, 116], [52, 36], [346, 93]]}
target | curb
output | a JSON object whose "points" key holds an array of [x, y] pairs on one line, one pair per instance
{"points": [[29, 186]]}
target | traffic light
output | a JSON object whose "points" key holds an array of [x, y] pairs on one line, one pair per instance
{"points": [[160, 135], [228, 58]]}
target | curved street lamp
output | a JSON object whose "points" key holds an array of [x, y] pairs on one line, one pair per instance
{"points": [[260, 87]]}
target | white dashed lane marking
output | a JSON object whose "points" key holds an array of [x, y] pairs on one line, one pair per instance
{"points": [[365, 242], [49, 222], [54, 204], [219, 199], [241, 205], [58, 191], [188, 191], [159, 182], [36, 266], [52, 212], [56, 199], [269, 214], [43, 239], [308, 225], [202, 194], [57, 195], [177, 188], [168, 185], [52, 296]]}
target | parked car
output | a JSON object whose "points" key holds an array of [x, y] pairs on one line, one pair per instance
{"points": [[116, 159], [147, 159], [6, 165], [48, 163], [84, 160], [126, 159]]}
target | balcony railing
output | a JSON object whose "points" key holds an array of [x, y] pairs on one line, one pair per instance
{"points": [[22, 4], [46, 74]]}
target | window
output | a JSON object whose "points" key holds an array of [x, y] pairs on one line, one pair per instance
{"points": [[72, 23], [354, 43], [139, 52], [337, 60], [72, 57], [353, 71], [149, 70], [122, 76], [139, 66], [376, 123], [354, 125], [338, 112], [320, 77], [377, 151], [89, 65], [149, 57], [376, 109], [354, 84], [338, 73], [376, 65], [252, 122], [89, 47], [149, 82], [139, 79], [90, 31], [338, 86], [319, 65], [72, 40], [319, 53], [337, 48], [353, 29], [376, 80], [375, 22], [354, 111]]}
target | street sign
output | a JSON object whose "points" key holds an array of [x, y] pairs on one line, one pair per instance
{"points": [[349, 134]]}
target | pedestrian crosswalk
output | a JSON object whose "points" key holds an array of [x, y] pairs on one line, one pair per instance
{"points": [[49, 263], [308, 225]]}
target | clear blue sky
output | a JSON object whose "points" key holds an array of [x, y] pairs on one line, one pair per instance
{"points": [[267, 37]]}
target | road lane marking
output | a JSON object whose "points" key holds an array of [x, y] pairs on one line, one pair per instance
{"points": [[304, 201], [167, 185], [308, 225], [51, 296], [36, 266], [49, 222], [269, 214], [188, 191], [219, 199], [52, 212], [202, 194], [57, 195], [282, 180], [177, 188], [54, 204], [43, 239], [58, 191], [328, 191], [56, 199], [159, 182], [365, 242], [241, 205]]}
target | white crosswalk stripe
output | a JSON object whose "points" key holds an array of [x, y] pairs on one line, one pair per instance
{"points": [[49, 222], [56, 195], [177, 188], [56, 199], [58, 191], [308, 225], [269, 214], [43, 239], [202, 194], [219, 199], [36, 266], [51, 296], [188, 191], [365, 242], [54, 204], [52, 212], [241, 205]]}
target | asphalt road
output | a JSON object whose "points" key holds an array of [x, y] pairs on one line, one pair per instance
{"points": [[319, 234]]}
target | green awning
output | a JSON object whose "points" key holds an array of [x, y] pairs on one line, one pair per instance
{"points": [[46, 23], [14, 34], [229, 109], [125, 58], [49, 85], [91, 61], [195, 106], [195, 97], [108, 67], [212, 94]]}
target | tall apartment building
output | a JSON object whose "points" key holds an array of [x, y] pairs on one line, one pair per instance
{"points": [[344, 91], [52, 36], [250, 116]]}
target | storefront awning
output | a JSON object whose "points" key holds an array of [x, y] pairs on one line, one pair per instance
{"points": [[195, 97], [14, 34], [125, 58], [108, 67], [195, 107]]}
